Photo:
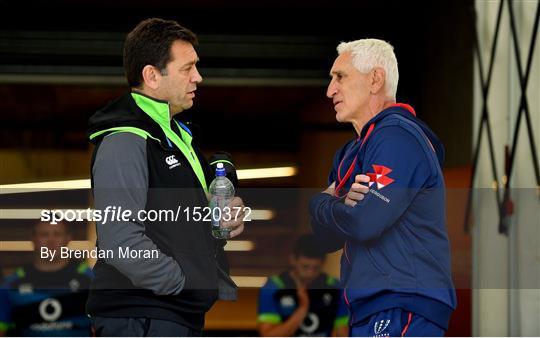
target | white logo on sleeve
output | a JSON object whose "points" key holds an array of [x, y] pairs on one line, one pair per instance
{"points": [[26, 288], [380, 326], [287, 301], [172, 161]]}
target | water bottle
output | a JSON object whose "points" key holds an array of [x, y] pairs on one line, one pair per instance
{"points": [[221, 194]]}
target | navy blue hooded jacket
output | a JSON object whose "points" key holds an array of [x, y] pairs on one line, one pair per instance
{"points": [[395, 246]]}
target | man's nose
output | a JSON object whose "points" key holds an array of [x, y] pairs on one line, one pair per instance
{"points": [[197, 78], [331, 90]]}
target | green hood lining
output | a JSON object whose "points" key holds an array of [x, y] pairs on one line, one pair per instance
{"points": [[159, 112]]}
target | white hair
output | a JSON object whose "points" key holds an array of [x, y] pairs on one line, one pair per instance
{"points": [[370, 53]]}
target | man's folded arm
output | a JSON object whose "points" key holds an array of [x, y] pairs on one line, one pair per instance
{"points": [[407, 168]]}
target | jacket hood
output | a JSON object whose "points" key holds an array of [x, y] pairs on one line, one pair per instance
{"points": [[122, 112], [408, 112]]}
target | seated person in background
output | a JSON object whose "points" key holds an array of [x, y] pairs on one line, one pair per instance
{"points": [[48, 296], [303, 301]]}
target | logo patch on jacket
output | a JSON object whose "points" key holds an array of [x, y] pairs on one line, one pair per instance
{"points": [[379, 176], [172, 161], [380, 326]]}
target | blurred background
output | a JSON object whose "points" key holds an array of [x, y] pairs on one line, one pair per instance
{"points": [[265, 70]]}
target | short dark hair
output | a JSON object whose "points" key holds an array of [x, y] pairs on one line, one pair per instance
{"points": [[149, 43], [307, 246]]}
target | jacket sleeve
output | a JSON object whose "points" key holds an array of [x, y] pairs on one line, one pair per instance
{"points": [[267, 308], [120, 179], [398, 168], [330, 239]]}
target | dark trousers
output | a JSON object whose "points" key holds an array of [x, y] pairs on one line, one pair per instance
{"points": [[140, 327]]}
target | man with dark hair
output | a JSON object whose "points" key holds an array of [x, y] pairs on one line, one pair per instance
{"points": [[149, 44], [302, 301], [47, 297], [145, 161]]}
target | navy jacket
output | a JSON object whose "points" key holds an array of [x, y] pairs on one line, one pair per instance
{"points": [[396, 249]]}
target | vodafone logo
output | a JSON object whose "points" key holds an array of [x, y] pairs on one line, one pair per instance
{"points": [[50, 309], [310, 323], [379, 176]]}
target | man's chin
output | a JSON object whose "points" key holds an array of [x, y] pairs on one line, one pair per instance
{"points": [[187, 105], [178, 109], [340, 117]]}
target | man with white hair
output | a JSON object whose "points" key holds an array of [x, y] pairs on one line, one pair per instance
{"points": [[385, 205]]}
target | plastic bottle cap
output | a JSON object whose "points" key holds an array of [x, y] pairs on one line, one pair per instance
{"points": [[220, 170]]}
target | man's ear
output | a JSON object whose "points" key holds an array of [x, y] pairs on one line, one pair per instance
{"points": [[378, 79], [151, 77]]}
